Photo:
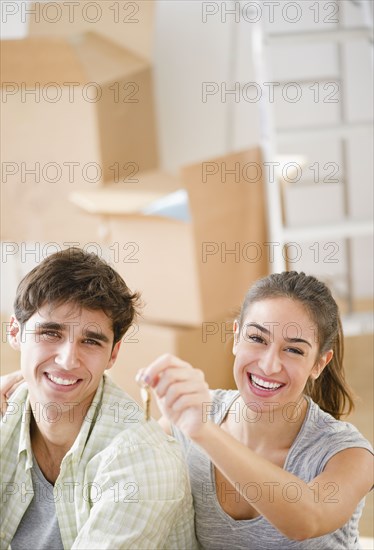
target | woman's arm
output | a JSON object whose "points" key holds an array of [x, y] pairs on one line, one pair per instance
{"points": [[299, 510], [8, 384]]}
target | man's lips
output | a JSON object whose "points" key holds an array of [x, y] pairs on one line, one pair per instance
{"points": [[62, 380]]}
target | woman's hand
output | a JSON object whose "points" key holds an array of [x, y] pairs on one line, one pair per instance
{"points": [[182, 393], [8, 384]]}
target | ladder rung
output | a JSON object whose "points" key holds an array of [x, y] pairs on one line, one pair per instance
{"points": [[321, 132], [341, 35], [339, 230]]}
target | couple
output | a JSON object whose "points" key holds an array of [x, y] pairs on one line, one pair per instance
{"points": [[270, 464]]}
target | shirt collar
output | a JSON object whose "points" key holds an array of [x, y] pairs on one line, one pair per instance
{"points": [[25, 439]]}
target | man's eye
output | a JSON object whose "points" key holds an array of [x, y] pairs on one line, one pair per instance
{"points": [[50, 334], [92, 342]]}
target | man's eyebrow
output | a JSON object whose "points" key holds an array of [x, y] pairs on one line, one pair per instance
{"points": [[267, 332], [96, 335], [50, 325]]}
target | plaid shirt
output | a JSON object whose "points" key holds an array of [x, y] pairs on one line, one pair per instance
{"points": [[123, 484]]}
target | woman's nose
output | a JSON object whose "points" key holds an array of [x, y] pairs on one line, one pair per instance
{"points": [[270, 362]]}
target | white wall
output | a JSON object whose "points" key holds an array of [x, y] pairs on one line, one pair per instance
{"points": [[189, 53]]}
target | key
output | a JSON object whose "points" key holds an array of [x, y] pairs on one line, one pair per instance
{"points": [[145, 393]]}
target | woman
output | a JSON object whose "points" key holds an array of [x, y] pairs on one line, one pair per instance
{"points": [[271, 464]]}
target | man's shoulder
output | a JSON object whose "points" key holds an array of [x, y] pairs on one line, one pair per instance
{"points": [[15, 409], [116, 410]]}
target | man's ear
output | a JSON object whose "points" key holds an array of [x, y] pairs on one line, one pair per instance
{"points": [[322, 362], [114, 355], [236, 331], [14, 333]]}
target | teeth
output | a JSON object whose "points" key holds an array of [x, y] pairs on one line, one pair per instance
{"points": [[264, 384], [61, 381]]}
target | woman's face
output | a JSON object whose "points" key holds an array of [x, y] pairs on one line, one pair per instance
{"points": [[276, 351]]}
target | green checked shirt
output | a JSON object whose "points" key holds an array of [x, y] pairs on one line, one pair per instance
{"points": [[123, 484]]}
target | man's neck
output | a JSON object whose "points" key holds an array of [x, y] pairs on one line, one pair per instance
{"points": [[51, 441]]}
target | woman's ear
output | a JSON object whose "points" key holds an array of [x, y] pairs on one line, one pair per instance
{"points": [[14, 333], [322, 362], [236, 331]]}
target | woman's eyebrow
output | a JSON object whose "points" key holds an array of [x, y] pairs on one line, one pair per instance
{"points": [[298, 340], [267, 332], [259, 327]]}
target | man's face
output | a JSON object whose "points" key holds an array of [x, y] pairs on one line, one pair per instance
{"points": [[64, 353]]}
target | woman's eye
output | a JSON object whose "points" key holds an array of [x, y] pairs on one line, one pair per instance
{"points": [[295, 350], [255, 338]]}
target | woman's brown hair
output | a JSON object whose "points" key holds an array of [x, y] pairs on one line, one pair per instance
{"points": [[330, 390]]}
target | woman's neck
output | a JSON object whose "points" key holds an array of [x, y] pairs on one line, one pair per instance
{"points": [[271, 428]]}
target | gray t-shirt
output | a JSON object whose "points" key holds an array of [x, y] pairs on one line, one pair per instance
{"points": [[320, 437], [38, 529]]}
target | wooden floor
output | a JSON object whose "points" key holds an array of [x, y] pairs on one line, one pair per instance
{"points": [[359, 366]]}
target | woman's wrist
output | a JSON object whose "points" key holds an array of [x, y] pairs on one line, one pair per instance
{"points": [[203, 433]]}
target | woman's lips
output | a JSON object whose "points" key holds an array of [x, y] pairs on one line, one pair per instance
{"points": [[263, 387]]}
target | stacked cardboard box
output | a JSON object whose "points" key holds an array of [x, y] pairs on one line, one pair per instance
{"points": [[76, 112], [197, 270], [128, 24]]}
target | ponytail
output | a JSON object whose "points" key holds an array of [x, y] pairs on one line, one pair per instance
{"points": [[330, 390]]}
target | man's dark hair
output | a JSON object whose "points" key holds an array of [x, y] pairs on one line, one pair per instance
{"points": [[81, 279]]}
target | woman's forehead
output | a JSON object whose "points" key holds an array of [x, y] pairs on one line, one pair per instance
{"points": [[283, 313]]}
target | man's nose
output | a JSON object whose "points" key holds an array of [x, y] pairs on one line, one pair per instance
{"points": [[67, 356]]}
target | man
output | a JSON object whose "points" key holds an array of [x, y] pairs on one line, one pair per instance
{"points": [[80, 467]]}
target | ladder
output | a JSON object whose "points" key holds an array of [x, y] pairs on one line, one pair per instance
{"points": [[347, 227]]}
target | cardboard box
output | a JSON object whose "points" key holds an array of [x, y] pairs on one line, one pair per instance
{"points": [[197, 270], [75, 113], [208, 347], [129, 24]]}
